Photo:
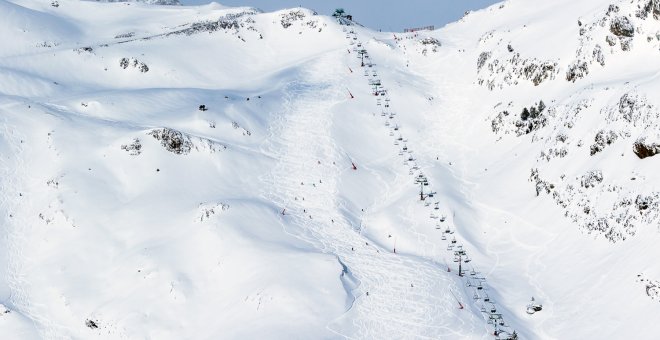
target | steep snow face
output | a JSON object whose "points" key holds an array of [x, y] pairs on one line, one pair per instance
{"points": [[549, 115], [213, 172]]}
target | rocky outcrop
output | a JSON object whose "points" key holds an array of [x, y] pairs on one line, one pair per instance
{"points": [[622, 27], [172, 140], [644, 149]]}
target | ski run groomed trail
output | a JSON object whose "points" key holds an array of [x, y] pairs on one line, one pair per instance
{"points": [[397, 296]]}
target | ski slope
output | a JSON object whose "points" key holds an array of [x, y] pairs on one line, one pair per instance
{"points": [[213, 172]]}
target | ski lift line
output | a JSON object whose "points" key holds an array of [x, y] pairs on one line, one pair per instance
{"points": [[463, 257]]}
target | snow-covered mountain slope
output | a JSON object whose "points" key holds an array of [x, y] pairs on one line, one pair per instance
{"points": [[210, 172]]}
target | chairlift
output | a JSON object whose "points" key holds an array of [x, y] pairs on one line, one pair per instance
{"points": [[442, 218], [453, 240], [476, 296], [396, 142], [443, 236], [405, 148]]}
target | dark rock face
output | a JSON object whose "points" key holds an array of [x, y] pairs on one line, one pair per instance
{"points": [[622, 27], [172, 140], [603, 138], [644, 149]]}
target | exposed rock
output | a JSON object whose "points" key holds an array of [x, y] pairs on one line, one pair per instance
{"points": [[611, 40], [134, 148], [622, 27], [591, 179], [603, 139], [172, 140], [287, 19], [91, 324], [645, 149], [483, 57], [577, 70]]}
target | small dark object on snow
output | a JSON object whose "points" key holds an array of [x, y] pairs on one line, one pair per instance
{"points": [[202, 107], [91, 324]]}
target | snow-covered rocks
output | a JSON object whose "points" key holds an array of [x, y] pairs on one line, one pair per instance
{"points": [[135, 63]]}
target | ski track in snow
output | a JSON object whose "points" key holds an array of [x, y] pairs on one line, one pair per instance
{"points": [[18, 229], [393, 309]]}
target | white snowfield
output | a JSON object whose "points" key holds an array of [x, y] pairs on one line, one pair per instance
{"points": [[207, 172]]}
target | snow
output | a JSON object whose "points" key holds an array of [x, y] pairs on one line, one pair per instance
{"points": [[128, 212]]}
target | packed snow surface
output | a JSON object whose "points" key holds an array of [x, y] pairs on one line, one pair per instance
{"points": [[206, 172]]}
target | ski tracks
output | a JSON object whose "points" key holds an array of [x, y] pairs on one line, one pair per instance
{"points": [[13, 171], [399, 297]]}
